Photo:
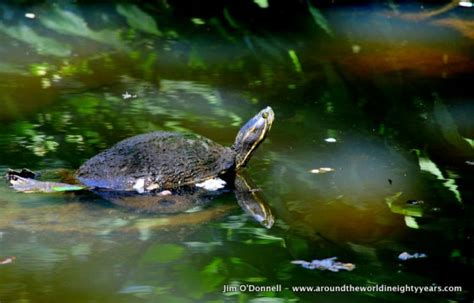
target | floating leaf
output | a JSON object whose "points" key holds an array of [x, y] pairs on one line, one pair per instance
{"points": [[231, 20], [452, 186], [295, 60], [319, 19], [261, 3], [470, 141], [198, 21], [411, 222], [429, 166]]}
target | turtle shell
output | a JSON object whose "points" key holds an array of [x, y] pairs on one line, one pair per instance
{"points": [[158, 160]]}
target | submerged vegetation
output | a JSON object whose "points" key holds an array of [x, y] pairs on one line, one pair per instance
{"points": [[371, 153]]}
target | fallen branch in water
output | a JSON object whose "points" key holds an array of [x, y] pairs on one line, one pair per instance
{"points": [[430, 13]]}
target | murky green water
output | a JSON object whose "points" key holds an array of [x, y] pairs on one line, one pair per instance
{"points": [[379, 97]]}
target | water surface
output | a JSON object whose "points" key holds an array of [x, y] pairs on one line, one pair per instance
{"points": [[378, 96]]}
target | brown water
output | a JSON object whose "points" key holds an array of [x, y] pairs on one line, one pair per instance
{"points": [[391, 87]]}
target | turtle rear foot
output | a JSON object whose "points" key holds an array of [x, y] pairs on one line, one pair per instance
{"points": [[23, 173]]}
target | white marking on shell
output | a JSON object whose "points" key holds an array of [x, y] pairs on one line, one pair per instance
{"points": [[165, 193], [152, 187], [212, 184], [139, 185]]}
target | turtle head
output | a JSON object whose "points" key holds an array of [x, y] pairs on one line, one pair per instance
{"points": [[251, 135]]}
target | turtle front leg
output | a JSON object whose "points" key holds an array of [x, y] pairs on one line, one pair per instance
{"points": [[24, 181], [252, 201]]}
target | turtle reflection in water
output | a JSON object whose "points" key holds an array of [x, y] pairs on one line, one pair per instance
{"points": [[168, 172]]}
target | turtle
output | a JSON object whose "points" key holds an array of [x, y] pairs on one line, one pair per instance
{"points": [[161, 169]]}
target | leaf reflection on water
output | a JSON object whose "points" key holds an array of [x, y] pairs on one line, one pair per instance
{"points": [[68, 23], [43, 45], [138, 19], [429, 166]]}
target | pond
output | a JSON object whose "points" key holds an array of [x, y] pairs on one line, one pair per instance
{"points": [[371, 153]]}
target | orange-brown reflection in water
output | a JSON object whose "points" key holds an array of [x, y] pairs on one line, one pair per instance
{"points": [[21, 94], [422, 14], [419, 59], [465, 27], [344, 222]]}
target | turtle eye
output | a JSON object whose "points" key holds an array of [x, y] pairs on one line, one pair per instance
{"points": [[265, 115]]}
